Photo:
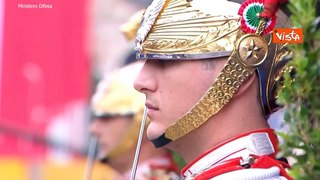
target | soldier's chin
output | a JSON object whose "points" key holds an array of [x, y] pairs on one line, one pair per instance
{"points": [[154, 131]]}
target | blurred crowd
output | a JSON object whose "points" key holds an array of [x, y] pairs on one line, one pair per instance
{"points": [[56, 56]]}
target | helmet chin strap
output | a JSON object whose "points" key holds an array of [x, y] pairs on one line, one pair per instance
{"points": [[104, 160], [250, 51]]}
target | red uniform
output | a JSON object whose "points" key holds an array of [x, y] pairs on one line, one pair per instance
{"points": [[248, 156]]}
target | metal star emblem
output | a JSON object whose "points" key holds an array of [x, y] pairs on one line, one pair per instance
{"points": [[252, 50]]}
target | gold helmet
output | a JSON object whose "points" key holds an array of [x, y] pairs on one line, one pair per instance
{"points": [[130, 28], [116, 96], [210, 29]]}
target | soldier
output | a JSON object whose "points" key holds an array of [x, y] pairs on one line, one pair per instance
{"points": [[118, 109], [210, 80]]}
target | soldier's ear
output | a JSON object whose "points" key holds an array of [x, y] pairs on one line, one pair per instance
{"points": [[252, 82]]}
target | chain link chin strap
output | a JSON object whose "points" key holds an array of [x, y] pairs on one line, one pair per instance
{"points": [[250, 51]]}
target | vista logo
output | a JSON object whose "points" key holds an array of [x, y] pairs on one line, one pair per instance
{"points": [[287, 35]]}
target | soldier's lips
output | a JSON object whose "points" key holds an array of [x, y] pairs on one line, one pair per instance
{"points": [[151, 109]]}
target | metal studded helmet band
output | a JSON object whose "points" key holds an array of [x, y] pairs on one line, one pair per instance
{"points": [[203, 29]]}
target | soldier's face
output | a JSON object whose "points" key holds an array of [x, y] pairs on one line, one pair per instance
{"points": [[172, 88], [109, 132]]}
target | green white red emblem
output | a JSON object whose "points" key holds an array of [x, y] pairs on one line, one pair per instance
{"points": [[250, 12]]}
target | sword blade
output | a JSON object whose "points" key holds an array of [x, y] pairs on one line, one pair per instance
{"points": [[137, 153], [93, 141]]}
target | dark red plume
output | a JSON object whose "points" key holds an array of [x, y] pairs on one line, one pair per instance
{"points": [[271, 7]]}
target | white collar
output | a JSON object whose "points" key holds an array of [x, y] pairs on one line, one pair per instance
{"points": [[257, 143]]}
